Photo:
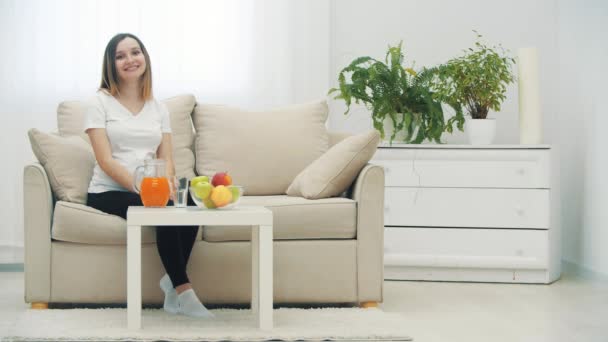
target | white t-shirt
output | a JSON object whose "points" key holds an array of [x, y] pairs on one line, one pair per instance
{"points": [[131, 137]]}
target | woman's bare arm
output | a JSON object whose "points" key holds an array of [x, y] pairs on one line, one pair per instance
{"points": [[165, 151], [103, 154]]}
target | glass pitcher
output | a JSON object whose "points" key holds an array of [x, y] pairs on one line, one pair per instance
{"points": [[152, 184]]}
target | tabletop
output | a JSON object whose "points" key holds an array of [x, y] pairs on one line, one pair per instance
{"points": [[241, 215]]}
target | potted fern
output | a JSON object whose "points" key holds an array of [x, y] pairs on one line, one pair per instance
{"points": [[402, 105], [476, 83]]}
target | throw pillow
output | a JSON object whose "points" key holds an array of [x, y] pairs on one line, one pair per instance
{"points": [[333, 172], [68, 162], [263, 151], [70, 120]]}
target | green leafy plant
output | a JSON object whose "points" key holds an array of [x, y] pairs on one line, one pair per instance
{"points": [[393, 91], [476, 81]]}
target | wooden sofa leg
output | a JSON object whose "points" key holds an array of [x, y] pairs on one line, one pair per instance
{"points": [[40, 306], [366, 305]]}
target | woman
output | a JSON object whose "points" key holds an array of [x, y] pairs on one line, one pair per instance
{"points": [[125, 124]]}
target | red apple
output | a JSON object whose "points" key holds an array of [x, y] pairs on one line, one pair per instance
{"points": [[221, 178]]}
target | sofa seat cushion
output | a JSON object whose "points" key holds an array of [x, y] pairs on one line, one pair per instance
{"points": [[73, 222], [296, 218]]}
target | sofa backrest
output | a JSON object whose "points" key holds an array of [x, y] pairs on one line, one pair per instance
{"points": [[70, 119], [336, 137], [262, 150], [180, 110]]}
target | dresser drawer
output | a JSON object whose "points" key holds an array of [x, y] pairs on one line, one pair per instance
{"points": [[465, 168], [470, 208], [466, 248]]}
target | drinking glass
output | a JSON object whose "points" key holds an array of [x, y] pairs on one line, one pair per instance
{"points": [[181, 192]]}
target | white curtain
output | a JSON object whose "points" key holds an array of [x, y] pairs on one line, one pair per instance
{"points": [[255, 54]]}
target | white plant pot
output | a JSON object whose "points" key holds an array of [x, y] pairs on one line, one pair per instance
{"points": [[388, 131], [481, 131]]}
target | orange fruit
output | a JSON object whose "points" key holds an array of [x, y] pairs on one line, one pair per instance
{"points": [[221, 196]]}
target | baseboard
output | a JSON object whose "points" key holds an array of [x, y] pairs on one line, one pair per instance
{"points": [[468, 274], [11, 267], [572, 268]]}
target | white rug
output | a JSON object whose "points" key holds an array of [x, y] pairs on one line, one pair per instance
{"points": [[290, 324]]}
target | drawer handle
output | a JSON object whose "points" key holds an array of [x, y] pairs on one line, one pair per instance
{"points": [[520, 211], [521, 171], [386, 209], [387, 169]]}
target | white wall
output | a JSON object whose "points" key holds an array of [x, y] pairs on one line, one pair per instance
{"points": [[571, 38], [583, 54], [257, 54], [434, 31], [302, 45]]}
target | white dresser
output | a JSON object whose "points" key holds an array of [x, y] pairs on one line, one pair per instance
{"points": [[469, 213]]}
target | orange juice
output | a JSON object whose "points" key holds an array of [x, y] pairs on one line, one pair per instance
{"points": [[155, 191]]}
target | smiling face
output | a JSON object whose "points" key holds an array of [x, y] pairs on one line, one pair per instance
{"points": [[130, 60], [126, 61]]}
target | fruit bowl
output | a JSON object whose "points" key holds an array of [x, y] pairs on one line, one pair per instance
{"points": [[220, 197]]}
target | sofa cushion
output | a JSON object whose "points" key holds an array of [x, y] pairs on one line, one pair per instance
{"points": [[296, 218], [70, 119], [68, 161], [333, 172], [336, 137], [70, 122], [180, 110], [73, 222], [263, 151]]}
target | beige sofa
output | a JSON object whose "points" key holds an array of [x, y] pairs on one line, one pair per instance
{"points": [[325, 250]]}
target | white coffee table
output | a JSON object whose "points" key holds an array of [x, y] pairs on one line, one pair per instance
{"points": [[260, 218]]}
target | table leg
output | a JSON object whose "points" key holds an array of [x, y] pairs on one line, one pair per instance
{"points": [[262, 275], [134, 277], [255, 269]]}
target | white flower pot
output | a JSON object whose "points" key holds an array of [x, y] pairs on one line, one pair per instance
{"points": [[388, 131], [481, 131]]}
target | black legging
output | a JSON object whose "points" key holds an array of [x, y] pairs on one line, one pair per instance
{"points": [[174, 242]]}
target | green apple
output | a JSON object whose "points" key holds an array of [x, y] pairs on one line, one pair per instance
{"points": [[235, 193], [202, 190], [209, 203], [198, 179]]}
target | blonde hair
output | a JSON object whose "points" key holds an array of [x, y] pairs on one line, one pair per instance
{"points": [[109, 74]]}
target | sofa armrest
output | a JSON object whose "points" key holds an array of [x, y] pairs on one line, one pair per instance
{"points": [[368, 191], [37, 217]]}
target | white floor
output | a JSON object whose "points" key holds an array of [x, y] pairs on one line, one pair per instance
{"points": [[572, 309]]}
